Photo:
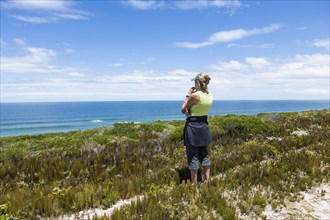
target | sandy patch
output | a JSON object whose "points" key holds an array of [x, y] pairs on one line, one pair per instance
{"points": [[315, 205], [90, 213]]}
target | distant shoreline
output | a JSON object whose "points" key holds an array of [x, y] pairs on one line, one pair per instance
{"points": [[132, 122], [53, 117]]}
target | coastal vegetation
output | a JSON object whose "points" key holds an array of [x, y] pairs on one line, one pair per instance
{"points": [[257, 161]]}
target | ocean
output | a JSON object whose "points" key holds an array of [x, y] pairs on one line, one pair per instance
{"points": [[37, 118]]}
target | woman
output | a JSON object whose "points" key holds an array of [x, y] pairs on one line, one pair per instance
{"points": [[197, 135]]}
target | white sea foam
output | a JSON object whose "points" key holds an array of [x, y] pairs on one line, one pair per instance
{"points": [[97, 121], [128, 122]]}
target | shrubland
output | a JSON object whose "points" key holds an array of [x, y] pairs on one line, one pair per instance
{"points": [[257, 160]]}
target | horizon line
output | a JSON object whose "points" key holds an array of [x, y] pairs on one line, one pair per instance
{"points": [[170, 100]]}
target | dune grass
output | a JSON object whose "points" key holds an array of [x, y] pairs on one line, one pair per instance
{"points": [[257, 160]]}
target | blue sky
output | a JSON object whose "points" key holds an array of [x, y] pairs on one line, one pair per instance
{"points": [[55, 50]]}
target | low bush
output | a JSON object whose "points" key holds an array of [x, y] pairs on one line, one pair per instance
{"points": [[52, 174]]}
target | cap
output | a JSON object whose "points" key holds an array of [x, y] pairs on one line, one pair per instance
{"points": [[197, 77]]}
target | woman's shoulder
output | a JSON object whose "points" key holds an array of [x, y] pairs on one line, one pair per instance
{"points": [[205, 93]]}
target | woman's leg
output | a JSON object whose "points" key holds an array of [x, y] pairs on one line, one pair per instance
{"points": [[206, 163], [193, 174], [206, 173], [193, 165]]}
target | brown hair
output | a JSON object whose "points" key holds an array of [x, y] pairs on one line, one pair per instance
{"points": [[204, 80]]}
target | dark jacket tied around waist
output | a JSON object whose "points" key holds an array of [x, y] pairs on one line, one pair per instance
{"points": [[197, 132]]}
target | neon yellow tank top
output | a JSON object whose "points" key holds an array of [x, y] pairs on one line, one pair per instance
{"points": [[204, 105]]}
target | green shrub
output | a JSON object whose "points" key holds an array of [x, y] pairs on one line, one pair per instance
{"points": [[243, 125], [51, 174], [4, 212]]}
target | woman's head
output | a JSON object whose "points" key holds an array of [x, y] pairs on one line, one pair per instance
{"points": [[202, 80]]}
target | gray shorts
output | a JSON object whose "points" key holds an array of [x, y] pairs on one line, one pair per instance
{"points": [[197, 155]]}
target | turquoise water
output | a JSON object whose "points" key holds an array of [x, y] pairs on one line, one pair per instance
{"points": [[36, 118]]}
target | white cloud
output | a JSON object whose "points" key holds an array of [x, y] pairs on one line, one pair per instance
{"points": [[225, 3], [56, 5], [74, 16], [69, 51], [304, 76], [144, 5], [238, 45], [257, 62], [322, 43], [309, 91], [117, 64], [44, 11], [148, 78], [267, 46], [192, 45], [302, 28], [230, 35], [201, 4], [315, 66], [20, 41], [261, 46], [300, 77], [75, 74], [133, 85], [231, 66], [181, 72], [36, 20], [314, 59], [225, 36], [306, 67], [34, 60], [294, 78], [184, 4]]}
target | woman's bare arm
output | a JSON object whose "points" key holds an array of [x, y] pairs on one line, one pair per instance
{"points": [[192, 100]]}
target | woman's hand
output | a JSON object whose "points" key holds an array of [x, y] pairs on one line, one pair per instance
{"points": [[191, 99], [191, 91]]}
